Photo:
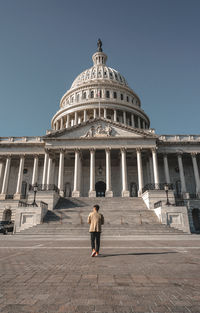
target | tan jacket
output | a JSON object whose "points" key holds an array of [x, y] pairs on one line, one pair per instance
{"points": [[95, 220]]}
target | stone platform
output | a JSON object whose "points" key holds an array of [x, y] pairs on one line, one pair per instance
{"points": [[53, 274]]}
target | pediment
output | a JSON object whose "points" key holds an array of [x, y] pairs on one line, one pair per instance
{"points": [[99, 129]]}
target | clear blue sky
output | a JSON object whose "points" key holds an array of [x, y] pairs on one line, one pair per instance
{"points": [[45, 44]]}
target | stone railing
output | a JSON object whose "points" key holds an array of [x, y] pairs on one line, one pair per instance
{"points": [[44, 187], [160, 186], [180, 138], [20, 139]]}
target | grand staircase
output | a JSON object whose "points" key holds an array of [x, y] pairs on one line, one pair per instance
{"points": [[123, 217]]}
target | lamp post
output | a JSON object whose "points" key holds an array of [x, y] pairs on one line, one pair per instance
{"points": [[167, 190], [35, 189]]}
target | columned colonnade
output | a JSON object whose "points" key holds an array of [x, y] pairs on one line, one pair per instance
{"points": [[48, 172]]}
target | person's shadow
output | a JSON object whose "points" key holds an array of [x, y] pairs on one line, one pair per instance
{"points": [[136, 253]]}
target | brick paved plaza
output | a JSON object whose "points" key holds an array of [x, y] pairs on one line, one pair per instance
{"points": [[138, 274]]}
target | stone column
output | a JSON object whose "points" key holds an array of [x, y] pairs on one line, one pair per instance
{"points": [[132, 120], [49, 171], [196, 173], [92, 192], [61, 173], [115, 115], [17, 195], [61, 123], [5, 179], [139, 122], [35, 170], [151, 169], [76, 192], [140, 172], [182, 176], [84, 116], [68, 121], [105, 113], [95, 113], [44, 177], [155, 168], [124, 117], [1, 172], [166, 168], [109, 192], [125, 191], [76, 118]]}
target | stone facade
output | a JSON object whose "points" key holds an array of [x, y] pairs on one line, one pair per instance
{"points": [[100, 144]]}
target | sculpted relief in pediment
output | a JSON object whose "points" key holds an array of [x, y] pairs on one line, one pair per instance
{"points": [[99, 131]]}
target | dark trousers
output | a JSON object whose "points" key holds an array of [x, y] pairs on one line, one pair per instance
{"points": [[95, 239]]}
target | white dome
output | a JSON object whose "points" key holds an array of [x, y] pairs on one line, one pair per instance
{"points": [[99, 73]]}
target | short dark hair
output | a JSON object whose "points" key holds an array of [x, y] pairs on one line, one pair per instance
{"points": [[96, 206]]}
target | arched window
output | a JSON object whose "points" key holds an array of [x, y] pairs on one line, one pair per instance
{"points": [[92, 94], [127, 98], [77, 97], [114, 95], [84, 95], [107, 94], [122, 96]]}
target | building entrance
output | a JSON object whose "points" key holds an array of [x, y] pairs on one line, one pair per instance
{"points": [[100, 188], [196, 219]]}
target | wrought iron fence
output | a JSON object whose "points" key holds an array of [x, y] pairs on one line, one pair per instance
{"points": [[26, 204], [157, 204], [44, 187], [160, 186]]}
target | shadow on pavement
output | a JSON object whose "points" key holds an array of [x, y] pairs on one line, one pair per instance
{"points": [[139, 253]]}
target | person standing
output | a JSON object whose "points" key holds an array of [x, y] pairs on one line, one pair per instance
{"points": [[95, 219]]}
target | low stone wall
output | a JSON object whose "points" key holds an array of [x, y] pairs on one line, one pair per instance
{"points": [[26, 217], [152, 196], [174, 216], [49, 197]]}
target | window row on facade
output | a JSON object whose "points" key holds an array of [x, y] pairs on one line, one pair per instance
{"points": [[100, 94]]}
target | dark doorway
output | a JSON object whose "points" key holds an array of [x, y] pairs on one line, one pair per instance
{"points": [[100, 188], [133, 190], [196, 219], [178, 189], [24, 189], [7, 215], [67, 190]]}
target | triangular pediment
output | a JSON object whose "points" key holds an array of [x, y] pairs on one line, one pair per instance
{"points": [[99, 129]]}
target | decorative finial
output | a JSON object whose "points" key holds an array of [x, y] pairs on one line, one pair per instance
{"points": [[99, 45]]}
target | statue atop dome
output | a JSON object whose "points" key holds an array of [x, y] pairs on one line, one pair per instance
{"points": [[99, 45]]}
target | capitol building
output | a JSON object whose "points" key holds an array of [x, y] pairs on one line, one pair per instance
{"points": [[101, 144]]}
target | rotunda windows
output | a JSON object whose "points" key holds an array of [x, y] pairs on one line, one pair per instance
{"points": [[114, 95], [127, 98], [92, 94], [84, 95], [122, 96], [107, 94]]}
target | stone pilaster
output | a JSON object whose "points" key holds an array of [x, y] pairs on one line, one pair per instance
{"points": [[5, 178], [125, 191], [17, 195], [196, 173], [140, 172], [155, 167], [92, 192], [166, 169], [35, 170], [109, 192], [61, 173], [76, 192]]}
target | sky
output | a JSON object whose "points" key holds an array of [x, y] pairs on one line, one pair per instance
{"points": [[45, 44]]}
